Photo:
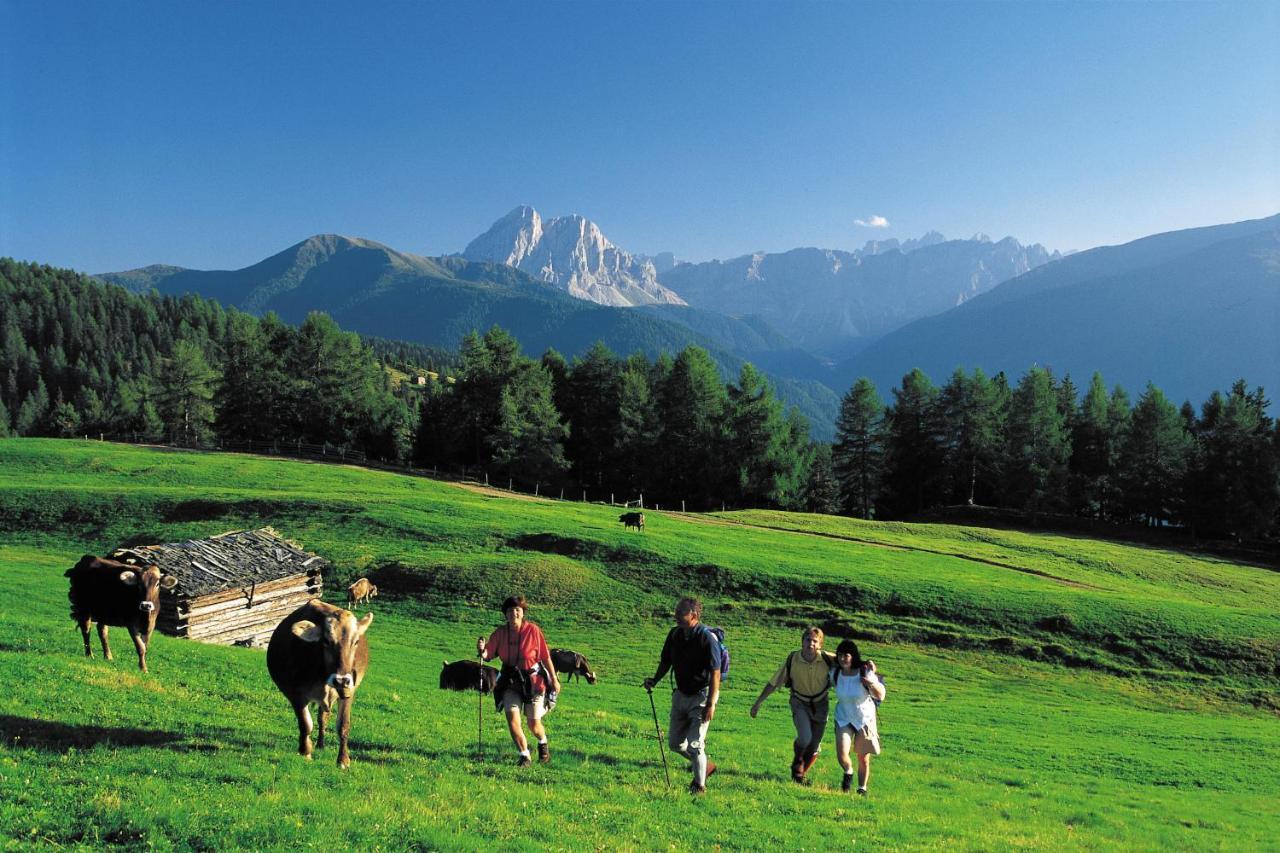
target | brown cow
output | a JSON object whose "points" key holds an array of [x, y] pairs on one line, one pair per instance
{"points": [[113, 593], [632, 519], [361, 591], [319, 654]]}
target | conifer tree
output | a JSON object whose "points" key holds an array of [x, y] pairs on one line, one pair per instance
{"points": [[971, 419], [529, 437], [186, 393], [857, 457], [691, 408], [1038, 444], [914, 450], [1153, 459]]}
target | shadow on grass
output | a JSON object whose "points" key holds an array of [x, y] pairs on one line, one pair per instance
{"points": [[52, 736]]}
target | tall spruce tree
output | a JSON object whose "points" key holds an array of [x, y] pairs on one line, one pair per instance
{"points": [[857, 457], [1234, 480], [913, 479], [1038, 445], [763, 451], [1153, 459], [691, 409], [528, 439], [186, 393], [971, 418]]}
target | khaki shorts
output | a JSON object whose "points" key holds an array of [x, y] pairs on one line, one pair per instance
{"points": [[866, 741], [534, 710]]}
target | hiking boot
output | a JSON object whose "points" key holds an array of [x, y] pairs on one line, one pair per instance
{"points": [[523, 761], [846, 784], [862, 792], [797, 765], [544, 753]]}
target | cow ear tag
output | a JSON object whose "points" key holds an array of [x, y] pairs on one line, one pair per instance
{"points": [[306, 631], [129, 578]]}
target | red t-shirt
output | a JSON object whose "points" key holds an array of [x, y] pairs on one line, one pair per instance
{"points": [[528, 648]]}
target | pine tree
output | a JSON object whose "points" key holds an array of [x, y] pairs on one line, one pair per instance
{"points": [[6, 423], [971, 419], [1038, 445], [914, 449], [529, 437], [591, 404], [1234, 478], [1153, 459], [691, 408], [186, 393], [638, 429], [251, 395], [822, 488], [1093, 452], [761, 450], [857, 457]]}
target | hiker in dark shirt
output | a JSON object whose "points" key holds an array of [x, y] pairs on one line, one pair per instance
{"points": [[693, 653]]}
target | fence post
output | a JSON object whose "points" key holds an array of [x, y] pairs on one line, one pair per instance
{"points": [[682, 504], [642, 500], [536, 487], [562, 493], [584, 495], [509, 489], [611, 499], [486, 475]]}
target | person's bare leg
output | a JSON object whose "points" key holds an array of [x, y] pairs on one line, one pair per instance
{"points": [[864, 772]]}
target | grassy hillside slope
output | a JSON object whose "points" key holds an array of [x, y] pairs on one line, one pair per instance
{"points": [[1162, 730]]}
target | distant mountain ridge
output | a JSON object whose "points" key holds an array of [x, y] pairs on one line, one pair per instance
{"points": [[1189, 310], [373, 289], [834, 303], [571, 253]]}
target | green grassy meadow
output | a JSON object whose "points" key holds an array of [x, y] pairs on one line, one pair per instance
{"points": [[1044, 691]]}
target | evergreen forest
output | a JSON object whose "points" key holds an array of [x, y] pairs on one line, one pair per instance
{"points": [[78, 357]]}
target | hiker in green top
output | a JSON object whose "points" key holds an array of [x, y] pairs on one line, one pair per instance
{"points": [[807, 673]]}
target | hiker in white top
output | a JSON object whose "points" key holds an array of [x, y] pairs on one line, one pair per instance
{"points": [[857, 688]]}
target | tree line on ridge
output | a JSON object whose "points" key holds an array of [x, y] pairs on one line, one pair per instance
{"points": [[78, 357]]}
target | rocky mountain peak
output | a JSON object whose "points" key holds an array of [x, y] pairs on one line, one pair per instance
{"points": [[572, 254]]}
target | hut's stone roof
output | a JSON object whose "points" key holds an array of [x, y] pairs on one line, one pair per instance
{"points": [[238, 559]]}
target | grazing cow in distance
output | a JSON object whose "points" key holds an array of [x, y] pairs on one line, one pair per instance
{"points": [[632, 519], [573, 663], [465, 675], [360, 592], [319, 654], [113, 593]]}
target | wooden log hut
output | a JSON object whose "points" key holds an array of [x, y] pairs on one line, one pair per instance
{"points": [[233, 588]]}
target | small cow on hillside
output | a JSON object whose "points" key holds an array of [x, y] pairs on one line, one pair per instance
{"points": [[465, 675], [573, 663], [361, 591], [114, 593], [632, 519], [319, 654]]}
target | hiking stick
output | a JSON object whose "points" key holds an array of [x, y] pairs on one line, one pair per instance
{"points": [[666, 770], [480, 708]]}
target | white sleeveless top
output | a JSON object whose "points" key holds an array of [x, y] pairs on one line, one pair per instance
{"points": [[854, 705]]}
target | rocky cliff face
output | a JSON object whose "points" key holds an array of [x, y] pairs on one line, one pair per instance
{"points": [[834, 303], [572, 254]]}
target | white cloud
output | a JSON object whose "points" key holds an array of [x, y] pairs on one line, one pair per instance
{"points": [[873, 222]]}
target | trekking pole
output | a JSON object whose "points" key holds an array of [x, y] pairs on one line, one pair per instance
{"points": [[665, 769], [480, 708]]}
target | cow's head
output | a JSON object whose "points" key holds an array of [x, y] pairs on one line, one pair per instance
{"points": [[338, 637], [586, 672], [147, 582]]}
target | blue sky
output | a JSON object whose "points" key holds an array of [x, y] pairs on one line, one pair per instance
{"points": [[212, 135]]}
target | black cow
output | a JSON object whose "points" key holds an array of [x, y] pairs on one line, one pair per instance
{"points": [[464, 675], [573, 663], [113, 593], [319, 654], [632, 519]]}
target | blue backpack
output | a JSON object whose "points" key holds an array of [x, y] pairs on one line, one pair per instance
{"points": [[718, 633]]}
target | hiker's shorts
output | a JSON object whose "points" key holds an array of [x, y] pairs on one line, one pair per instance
{"points": [[866, 741], [532, 710]]}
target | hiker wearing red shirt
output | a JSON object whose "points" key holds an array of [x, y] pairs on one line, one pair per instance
{"points": [[526, 677]]}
